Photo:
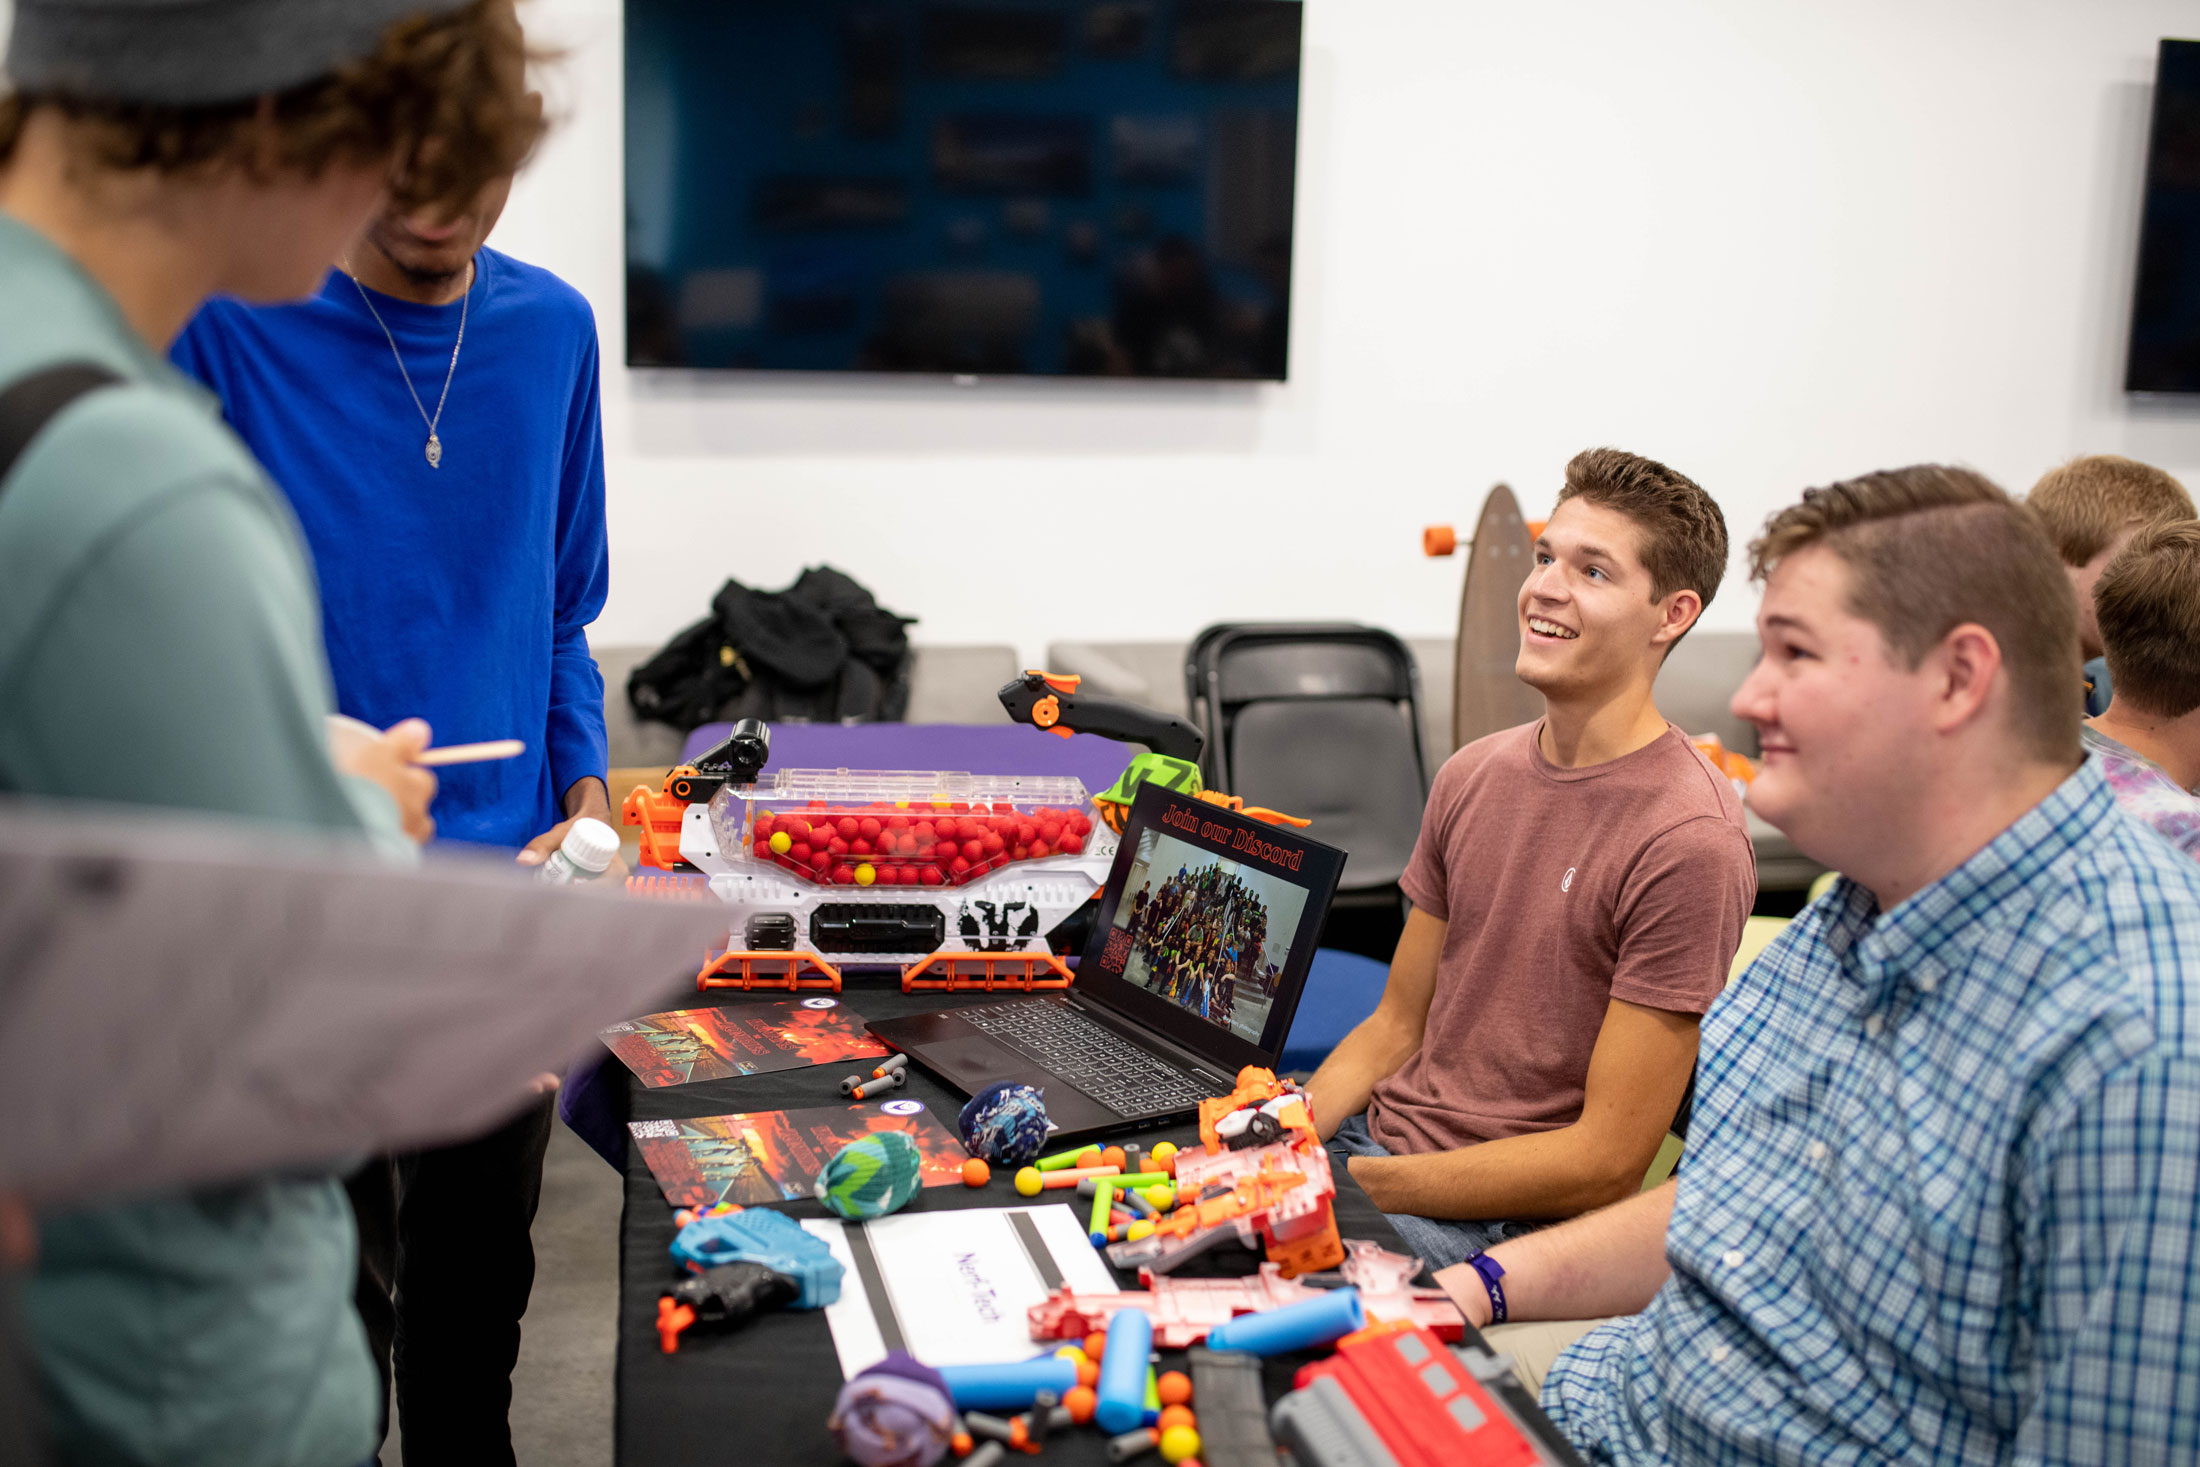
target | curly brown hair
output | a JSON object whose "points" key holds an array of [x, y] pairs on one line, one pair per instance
{"points": [[444, 98], [2148, 603], [1683, 532]]}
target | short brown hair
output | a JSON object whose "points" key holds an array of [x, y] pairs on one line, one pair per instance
{"points": [[1683, 533], [2148, 605], [444, 98], [1930, 548], [2088, 502]]}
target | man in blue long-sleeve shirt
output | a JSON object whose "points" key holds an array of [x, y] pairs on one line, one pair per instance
{"points": [[432, 415]]}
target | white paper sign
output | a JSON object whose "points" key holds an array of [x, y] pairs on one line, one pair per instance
{"points": [[961, 1282]]}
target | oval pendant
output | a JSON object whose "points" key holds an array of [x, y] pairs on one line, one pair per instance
{"points": [[435, 452]]}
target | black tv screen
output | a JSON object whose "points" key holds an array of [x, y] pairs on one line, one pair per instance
{"points": [[2165, 314], [1045, 187]]}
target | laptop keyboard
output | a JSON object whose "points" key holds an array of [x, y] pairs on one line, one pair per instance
{"points": [[1123, 1077]]}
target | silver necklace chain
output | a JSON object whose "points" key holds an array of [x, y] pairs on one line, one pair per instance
{"points": [[435, 444]]}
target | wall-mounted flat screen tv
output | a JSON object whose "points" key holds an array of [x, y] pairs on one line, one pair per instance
{"points": [[2165, 313], [1044, 187]]}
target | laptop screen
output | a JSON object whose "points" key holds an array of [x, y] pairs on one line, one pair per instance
{"points": [[1207, 926]]}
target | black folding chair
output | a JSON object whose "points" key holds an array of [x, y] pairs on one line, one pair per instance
{"points": [[1321, 720]]}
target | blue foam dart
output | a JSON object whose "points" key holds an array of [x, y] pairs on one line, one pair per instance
{"points": [[1299, 1326], [773, 1239], [1123, 1372], [1010, 1386]]}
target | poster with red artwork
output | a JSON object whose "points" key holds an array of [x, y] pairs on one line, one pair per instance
{"points": [[775, 1155], [686, 1045]]}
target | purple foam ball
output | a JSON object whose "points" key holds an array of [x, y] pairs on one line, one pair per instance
{"points": [[898, 1413]]}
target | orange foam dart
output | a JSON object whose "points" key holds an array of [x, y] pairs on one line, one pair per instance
{"points": [[1439, 540], [672, 1317]]}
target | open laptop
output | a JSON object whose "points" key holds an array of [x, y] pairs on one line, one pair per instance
{"points": [[1198, 955]]}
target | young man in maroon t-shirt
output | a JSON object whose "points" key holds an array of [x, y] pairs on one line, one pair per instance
{"points": [[1578, 893]]}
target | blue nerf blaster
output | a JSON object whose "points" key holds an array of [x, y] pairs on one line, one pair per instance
{"points": [[764, 1237]]}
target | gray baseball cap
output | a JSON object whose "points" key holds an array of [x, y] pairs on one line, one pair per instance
{"points": [[193, 52]]}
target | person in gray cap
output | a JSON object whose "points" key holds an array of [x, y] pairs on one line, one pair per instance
{"points": [[159, 633]]}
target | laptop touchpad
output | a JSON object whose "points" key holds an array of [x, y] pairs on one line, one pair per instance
{"points": [[975, 1058]]}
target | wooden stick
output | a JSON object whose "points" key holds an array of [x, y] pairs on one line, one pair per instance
{"points": [[471, 753]]}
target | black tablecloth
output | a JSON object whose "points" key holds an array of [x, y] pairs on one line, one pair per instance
{"points": [[760, 1395]]}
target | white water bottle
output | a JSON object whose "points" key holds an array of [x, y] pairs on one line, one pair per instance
{"points": [[583, 855]]}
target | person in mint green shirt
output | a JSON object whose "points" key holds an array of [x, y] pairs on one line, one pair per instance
{"points": [[159, 628]]}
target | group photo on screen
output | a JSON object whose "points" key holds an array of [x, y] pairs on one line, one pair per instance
{"points": [[1208, 934]]}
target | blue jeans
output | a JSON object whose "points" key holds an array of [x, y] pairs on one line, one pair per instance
{"points": [[1440, 1242]]}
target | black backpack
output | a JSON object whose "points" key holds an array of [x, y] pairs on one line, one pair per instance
{"points": [[821, 651], [34, 401]]}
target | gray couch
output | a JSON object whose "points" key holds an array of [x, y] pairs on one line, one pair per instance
{"points": [[1693, 689], [946, 685], [960, 684]]}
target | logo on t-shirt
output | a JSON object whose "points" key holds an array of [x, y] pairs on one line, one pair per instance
{"points": [[1566, 883]]}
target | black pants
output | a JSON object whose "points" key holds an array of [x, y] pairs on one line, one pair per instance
{"points": [[445, 1266]]}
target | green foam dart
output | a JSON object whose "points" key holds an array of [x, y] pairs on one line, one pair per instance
{"points": [[1103, 1199], [1060, 1159]]}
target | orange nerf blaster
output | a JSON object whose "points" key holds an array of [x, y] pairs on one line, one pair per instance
{"points": [[1052, 702]]}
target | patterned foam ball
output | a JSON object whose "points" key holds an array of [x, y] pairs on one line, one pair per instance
{"points": [[871, 1176], [1005, 1124], [896, 1414]]}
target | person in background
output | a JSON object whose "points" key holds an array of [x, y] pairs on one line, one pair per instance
{"points": [[432, 415], [1578, 893], [1939, 1200], [2091, 507], [2147, 741], [158, 614]]}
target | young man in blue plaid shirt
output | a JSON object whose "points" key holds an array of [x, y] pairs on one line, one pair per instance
{"points": [[1941, 1201]]}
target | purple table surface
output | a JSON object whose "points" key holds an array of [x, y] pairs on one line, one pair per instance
{"points": [[963, 748], [592, 1100]]}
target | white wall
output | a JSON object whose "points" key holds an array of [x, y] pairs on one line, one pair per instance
{"points": [[1773, 244]]}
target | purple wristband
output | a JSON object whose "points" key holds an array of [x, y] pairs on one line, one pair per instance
{"points": [[1489, 1270]]}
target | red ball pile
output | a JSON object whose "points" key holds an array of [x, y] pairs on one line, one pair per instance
{"points": [[914, 845]]}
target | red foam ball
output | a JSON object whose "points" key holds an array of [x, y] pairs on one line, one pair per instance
{"points": [[800, 852], [1026, 832], [994, 845], [959, 866], [945, 827], [869, 827], [763, 824], [973, 849], [924, 832], [837, 846], [859, 847], [946, 850], [1050, 831], [1081, 823], [1040, 848], [930, 876], [1072, 844], [844, 875], [1018, 853], [821, 861], [849, 827]]}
